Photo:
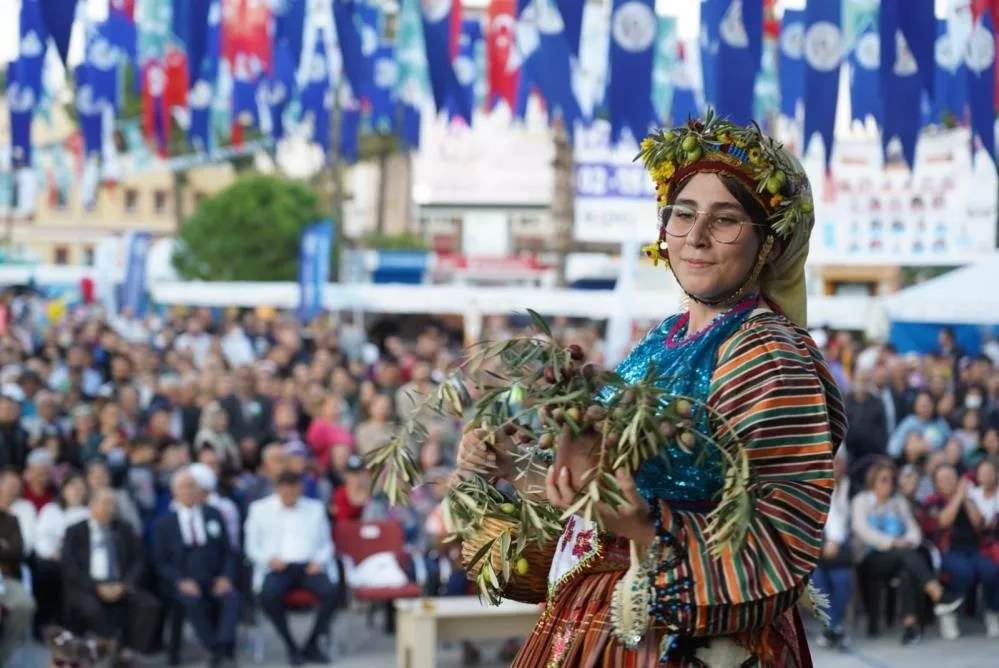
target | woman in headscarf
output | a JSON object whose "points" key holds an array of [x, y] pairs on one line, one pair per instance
{"points": [[735, 215]]}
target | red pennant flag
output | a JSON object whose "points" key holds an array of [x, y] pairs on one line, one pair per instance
{"points": [[499, 47], [177, 83], [455, 28]]}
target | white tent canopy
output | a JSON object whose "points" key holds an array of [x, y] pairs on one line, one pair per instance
{"points": [[965, 296]]}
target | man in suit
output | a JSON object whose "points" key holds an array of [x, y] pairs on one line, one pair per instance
{"points": [[249, 411], [102, 567], [288, 541], [193, 557]]}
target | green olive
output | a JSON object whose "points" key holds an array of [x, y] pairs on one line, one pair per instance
{"points": [[773, 185], [689, 143], [521, 567], [694, 155], [508, 508]]}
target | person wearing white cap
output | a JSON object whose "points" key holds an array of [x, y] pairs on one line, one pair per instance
{"points": [[207, 482]]}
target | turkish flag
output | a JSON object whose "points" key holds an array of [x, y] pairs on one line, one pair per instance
{"points": [[246, 27], [455, 28], [177, 83], [499, 46]]}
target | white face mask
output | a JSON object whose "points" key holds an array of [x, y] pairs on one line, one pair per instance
{"points": [[973, 401]]}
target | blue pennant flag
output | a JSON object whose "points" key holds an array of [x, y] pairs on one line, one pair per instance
{"points": [[246, 77], [190, 27], [277, 89], [712, 13], [133, 297], [317, 95], [89, 111], [918, 23], [33, 45], [865, 76], [572, 16], [59, 16], [21, 102], [384, 79], [981, 67], [524, 54], [122, 26], [632, 54], [553, 66], [351, 20], [413, 84], [901, 85], [466, 68], [205, 83], [289, 28], [737, 62], [791, 67], [438, 36], [823, 51], [350, 132], [950, 85], [685, 106]]}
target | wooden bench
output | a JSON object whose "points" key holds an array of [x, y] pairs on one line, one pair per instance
{"points": [[422, 624]]}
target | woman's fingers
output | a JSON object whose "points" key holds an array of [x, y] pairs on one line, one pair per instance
{"points": [[627, 484], [551, 489], [564, 484]]}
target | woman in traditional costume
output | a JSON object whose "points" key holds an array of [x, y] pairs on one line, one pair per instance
{"points": [[647, 588]]}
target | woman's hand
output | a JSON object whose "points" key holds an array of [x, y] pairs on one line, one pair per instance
{"points": [[631, 520], [495, 460]]}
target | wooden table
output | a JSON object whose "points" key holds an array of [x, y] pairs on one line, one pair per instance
{"points": [[423, 623]]}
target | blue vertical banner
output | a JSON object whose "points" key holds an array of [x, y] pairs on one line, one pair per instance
{"points": [[438, 36], [278, 88], [981, 63], [901, 84], [21, 103], [712, 12], [205, 81], [950, 84], [632, 54], [572, 18], [133, 296], [385, 74], [317, 96], [413, 81], [737, 62], [59, 16], [791, 65], [685, 105], [553, 64], [918, 22], [466, 68], [823, 51], [289, 28], [33, 45], [865, 76], [315, 251], [667, 51]]}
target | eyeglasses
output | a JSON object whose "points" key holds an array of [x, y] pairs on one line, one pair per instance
{"points": [[66, 663], [724, 227]]}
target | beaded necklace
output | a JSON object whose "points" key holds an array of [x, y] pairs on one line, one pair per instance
{"points": [[685, 365]]}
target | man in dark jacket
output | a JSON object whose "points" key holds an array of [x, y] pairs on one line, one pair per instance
{"points": [[102, 567], [193, 558], [14, 438], [18, 605], [867, 433], [249, 412]]}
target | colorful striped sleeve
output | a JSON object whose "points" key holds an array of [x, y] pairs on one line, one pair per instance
{"points": [[778, 396]]}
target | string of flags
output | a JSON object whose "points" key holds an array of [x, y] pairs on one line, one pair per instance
{"points": [[216, 71]]}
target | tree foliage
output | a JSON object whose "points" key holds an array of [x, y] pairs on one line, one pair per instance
{"points": [[248, 232]]}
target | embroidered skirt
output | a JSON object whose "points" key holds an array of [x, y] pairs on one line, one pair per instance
{"points": [[575, 633]]}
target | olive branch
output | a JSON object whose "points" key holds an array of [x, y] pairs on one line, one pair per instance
{"points": [[540, 396]]}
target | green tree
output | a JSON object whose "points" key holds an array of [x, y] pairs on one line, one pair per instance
{"points": [[248, 232]]}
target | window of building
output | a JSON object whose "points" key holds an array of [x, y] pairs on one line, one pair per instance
{"points": [[199, 197], [159, 202], [60, 255], [131, 200], [60, 198], [88, 256]]}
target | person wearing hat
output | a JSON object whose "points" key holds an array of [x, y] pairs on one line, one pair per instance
{"points": [[352, 497], [672, 583]]}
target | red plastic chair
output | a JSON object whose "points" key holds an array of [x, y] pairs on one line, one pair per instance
{"points": [[358, 540]]}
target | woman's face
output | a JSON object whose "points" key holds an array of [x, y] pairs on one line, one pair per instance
{"points": [[98, 477], [704, 267], [924, 407], [74, 491], [884, 483], [990, 442], [220, 420], [110, 417], [986, 475], [381, 409], [945, 481]]}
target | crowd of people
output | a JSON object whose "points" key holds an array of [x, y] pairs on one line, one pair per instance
{"points": [[198, 461]]}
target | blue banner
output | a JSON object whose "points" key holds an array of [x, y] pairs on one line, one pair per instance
{"points": [[59, 16], [245, 82], [124, 34], [350, 132], [289, 28], [981, 65], [89, 111], [901, 84], [413, 81], [823, 56], [383, 82], [950, 87], [33, 45], [737, 63], [407, 267], [918, 23], [685, 105], [190, 26], [667, 55], [437, 37], [632, 54], [133, 298], [865, 76], [277, 89], [466, 68], [21, 103], [791, 67], [572, 18], [315, 251], [552, 65], [204, 85], [712, 12], [317, 98]]}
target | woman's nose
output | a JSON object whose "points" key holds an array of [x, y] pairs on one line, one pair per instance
{"points": [[698, 234]]}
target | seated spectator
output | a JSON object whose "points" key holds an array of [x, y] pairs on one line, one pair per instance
{"points": [[193, 557], [38, 489], [207, 482], [956, 523], [986, 499], [69, 509], [886, 540], [289, 543], [969, 434], [214, 435], [351, 498], [11, 502], [923, 420], [286, 422], [327, 431], [834, 574], [299, 463], [17, 603], [14, 438], [379, 428], [272, 463], [103, 567], [99, 477]]}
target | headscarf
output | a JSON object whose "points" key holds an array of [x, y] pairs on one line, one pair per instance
{"points": [[769, 172]]}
